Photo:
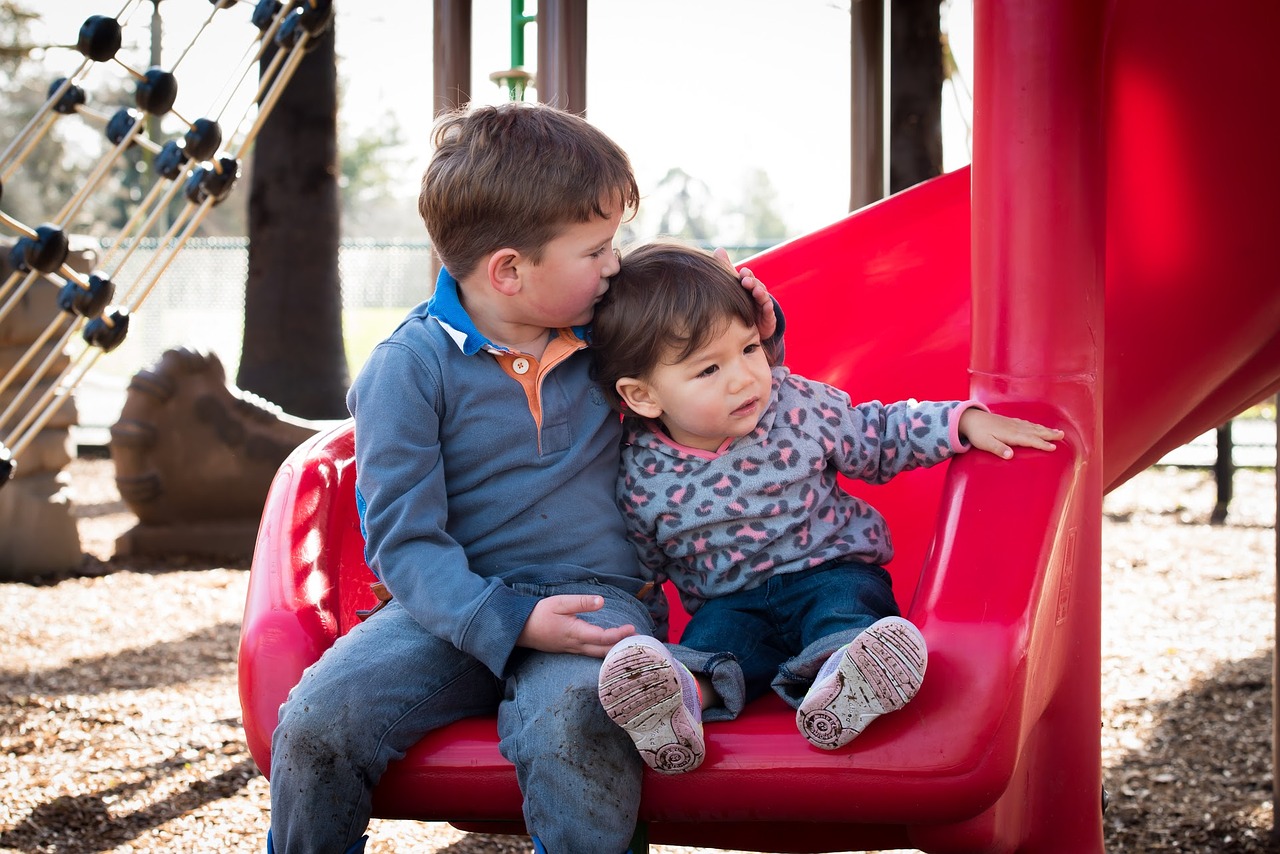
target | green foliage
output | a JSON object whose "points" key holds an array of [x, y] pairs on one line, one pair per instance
{"points": [[379, 193], [761, 221]]}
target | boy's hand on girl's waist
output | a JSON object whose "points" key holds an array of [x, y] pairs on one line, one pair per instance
{"points": [[554, 626]]}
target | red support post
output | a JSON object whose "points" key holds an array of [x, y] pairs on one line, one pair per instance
{"points": [[1039, 216]]}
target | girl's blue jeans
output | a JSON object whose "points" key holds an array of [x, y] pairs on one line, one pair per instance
{"points": [[782, 631], [389, 681]]}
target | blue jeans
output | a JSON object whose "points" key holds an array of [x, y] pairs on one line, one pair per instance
{"points": [[782, 631], [389, 681]]}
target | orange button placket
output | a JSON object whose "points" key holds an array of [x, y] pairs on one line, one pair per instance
{"points": [[528, 371]]}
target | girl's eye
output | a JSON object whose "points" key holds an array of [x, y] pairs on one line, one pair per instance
{"points": [[708, 371], [751, 348]]}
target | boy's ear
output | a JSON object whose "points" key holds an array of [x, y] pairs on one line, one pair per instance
{"points": [[638, 397], [504, 271]]}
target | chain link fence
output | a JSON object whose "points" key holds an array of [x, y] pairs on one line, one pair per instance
{"points": [[199, 300], [198, 303]]}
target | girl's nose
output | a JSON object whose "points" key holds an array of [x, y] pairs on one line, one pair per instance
{"points": [[739, 374]]}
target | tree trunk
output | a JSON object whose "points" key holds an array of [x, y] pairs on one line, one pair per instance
{"points": [[293, 352], [915, 93]]}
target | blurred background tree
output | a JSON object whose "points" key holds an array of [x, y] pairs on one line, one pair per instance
{"points": [[293, 352]]}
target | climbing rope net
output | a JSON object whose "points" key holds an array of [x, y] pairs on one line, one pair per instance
{"points": [[197, 165]]}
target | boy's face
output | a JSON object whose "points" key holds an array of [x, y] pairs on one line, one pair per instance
{"points": [[564, 287], [718, 392]]}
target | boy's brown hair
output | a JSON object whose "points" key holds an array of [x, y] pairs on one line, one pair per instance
{"points": [[667, 301], [515, 175]]}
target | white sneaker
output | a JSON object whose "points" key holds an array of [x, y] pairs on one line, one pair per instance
{"points": [[879, 671], [655, 699]]}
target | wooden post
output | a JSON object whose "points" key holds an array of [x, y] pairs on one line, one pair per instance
{"points": [[866, 107], [1275, 660], [561, 76], [451, 54], [1224, 470]]}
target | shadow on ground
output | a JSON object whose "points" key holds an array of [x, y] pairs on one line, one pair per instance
{"points": [[1202, 782]]}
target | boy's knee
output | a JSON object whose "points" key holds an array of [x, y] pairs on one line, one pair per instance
{"points": [[306, 729]]}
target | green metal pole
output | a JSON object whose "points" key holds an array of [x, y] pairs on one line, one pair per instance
{"points": [[517, 79], [517, 33]]}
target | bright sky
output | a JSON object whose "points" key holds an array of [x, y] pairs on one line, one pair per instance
{"points": [[716, 87]]}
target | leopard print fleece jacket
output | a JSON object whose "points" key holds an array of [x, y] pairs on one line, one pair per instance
{"points": [[768, 503]]}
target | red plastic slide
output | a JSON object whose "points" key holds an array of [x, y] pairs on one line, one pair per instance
{"points": [[931, 776], [1125, 157]]}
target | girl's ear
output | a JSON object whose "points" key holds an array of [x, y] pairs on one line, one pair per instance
{"points": [[504, 271], [639, 397]]}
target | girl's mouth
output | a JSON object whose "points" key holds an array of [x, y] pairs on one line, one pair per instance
{"points": [[746, 408]]}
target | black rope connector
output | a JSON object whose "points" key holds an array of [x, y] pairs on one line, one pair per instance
{"points": [[119, 125], [107, 331], [156, 92], [171, 160], [265, 12], [71, 99], [100, 38], [86, 300], [202, 139], [212, 181], [45, 252], [311, 18], [7, 465]]}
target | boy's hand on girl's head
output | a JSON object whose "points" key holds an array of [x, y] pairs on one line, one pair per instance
{"points": [[997, 434], [766, 321], [554, 626]]}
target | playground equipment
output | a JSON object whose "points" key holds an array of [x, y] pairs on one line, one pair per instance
{"points": [[36, 385], [1103, 260]]}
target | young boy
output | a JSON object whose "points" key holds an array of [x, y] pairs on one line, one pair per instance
{"points": [[486, 462], [728, 485]]}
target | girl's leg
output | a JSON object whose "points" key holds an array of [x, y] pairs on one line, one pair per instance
{"points": [[860, 659], [829, 606], [369, 698], [734, 642]]}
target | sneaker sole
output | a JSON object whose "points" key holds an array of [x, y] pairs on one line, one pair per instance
{"points": [[880, 672], [640, 691]]}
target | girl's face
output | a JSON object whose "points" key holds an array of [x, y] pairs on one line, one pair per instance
{"points": [[717, 393]]}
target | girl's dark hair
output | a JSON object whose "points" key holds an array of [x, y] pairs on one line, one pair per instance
{"points": [[667, 301]]}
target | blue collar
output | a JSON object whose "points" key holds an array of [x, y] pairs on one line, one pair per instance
{"points": [[446, 307]]}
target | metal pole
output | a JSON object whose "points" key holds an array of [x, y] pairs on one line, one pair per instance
{"points": [[516, 79]]}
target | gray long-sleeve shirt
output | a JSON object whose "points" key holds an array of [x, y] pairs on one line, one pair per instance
{"points": [[769, 502]]}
